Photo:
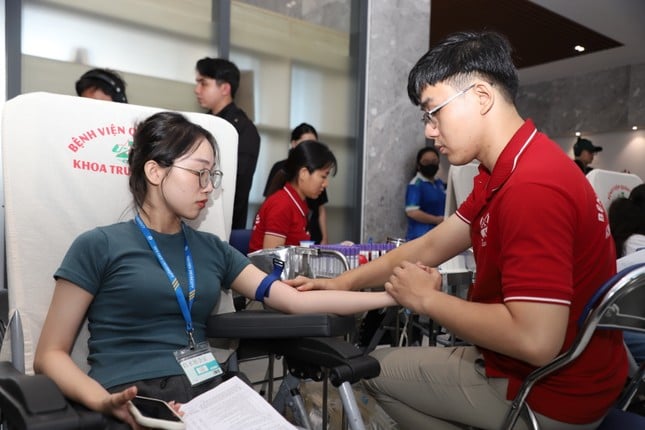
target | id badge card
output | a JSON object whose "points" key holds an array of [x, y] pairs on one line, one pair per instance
{"points": [[199, 364]]}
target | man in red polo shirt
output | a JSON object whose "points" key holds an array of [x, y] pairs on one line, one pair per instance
{"points": [[542, 247]]}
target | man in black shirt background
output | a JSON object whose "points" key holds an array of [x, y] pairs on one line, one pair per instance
{"points": [[584, 152], [217, 81]]}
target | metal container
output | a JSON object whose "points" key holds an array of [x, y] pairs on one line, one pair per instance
{"points": [[298, 260]]}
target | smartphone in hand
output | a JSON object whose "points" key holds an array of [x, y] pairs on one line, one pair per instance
{"points": [[155, 413]]}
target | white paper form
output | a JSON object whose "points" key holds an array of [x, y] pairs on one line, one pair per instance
{"points": [[232, 405]]}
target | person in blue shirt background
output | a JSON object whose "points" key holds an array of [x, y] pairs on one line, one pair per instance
{"points": [[425, 197]]}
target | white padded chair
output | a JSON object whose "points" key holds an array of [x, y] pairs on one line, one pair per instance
{"points": [[65, 172], [610, 185]]}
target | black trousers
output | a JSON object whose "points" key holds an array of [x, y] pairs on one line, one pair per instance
{"points": [[167, 388]]}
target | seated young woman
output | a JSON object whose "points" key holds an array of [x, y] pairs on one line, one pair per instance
{"points": [[283, 217], [317, 226], [148, 285]]}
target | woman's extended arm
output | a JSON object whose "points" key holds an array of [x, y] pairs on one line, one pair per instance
{"points": [[433, 248], [287, 299], [64, 319]]}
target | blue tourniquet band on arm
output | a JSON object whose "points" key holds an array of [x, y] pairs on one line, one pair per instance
{"points": [[265, 285]]}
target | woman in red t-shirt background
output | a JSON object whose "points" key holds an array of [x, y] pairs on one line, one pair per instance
{"points": [[283, 217]]}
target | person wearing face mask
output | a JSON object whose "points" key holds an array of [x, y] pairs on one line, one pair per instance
{"points": [[425, 197]]}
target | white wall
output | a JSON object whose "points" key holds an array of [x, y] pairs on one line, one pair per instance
{"points": [[3, 55]]}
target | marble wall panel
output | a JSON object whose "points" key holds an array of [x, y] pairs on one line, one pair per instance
{"points": [[398, 37], [591, 103], [636, 99], [328, 13]]}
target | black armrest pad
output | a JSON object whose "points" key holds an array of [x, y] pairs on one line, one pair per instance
{"points": [[345, 361], [264, 324], [323, 351], [35, 402], [38, 394]]}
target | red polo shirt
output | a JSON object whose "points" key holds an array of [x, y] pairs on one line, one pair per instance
{"points": [[282, 214], [540, 234]]}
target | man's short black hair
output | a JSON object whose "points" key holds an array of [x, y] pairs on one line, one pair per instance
{"points": [[221, 70], [462, 56], [106, 80]]}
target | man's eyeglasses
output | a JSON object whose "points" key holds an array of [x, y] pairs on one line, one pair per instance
{"points": [[429, 116], [205, 176]]}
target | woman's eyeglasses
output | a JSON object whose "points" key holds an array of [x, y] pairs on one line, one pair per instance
{"points": [[205, 176]]}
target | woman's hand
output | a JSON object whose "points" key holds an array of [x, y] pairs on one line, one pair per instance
{"points": [[116, 404], [176, 407]]}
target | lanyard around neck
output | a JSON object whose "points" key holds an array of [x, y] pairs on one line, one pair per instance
{"points": [[184, 306]]}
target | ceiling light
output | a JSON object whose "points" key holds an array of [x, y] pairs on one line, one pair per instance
{"points": [[634, 128], [578, 133], [579, 48]]}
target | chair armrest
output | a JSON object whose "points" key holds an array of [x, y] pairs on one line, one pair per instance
{"points": [[345, 361], [35, 402], [266, 324], [306, 357], [309, 342]]}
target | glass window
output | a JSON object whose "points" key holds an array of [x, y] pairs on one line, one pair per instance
{"points": [[150, 43], [334, 14], [297, 56]]}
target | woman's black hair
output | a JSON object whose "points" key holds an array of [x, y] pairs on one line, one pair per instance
{"points": [[163, 137], [302, 129], [311, 154], [425, 149], [420, 154], [627, 217]]}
